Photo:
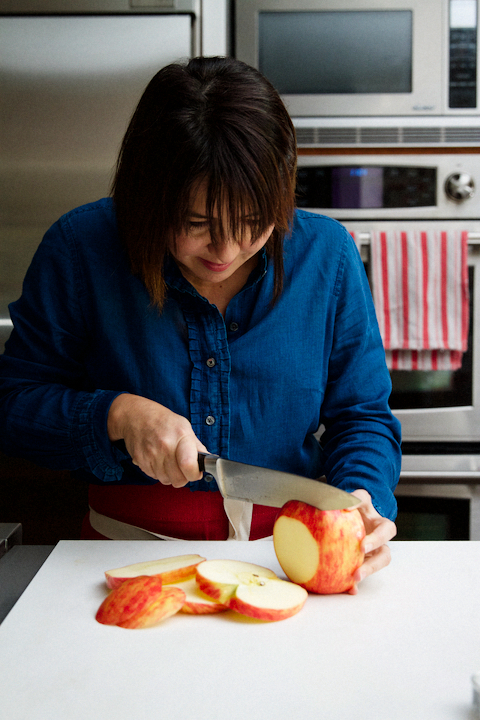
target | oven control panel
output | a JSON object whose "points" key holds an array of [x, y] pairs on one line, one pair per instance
{"points": [[366, 186], [390, 186]]}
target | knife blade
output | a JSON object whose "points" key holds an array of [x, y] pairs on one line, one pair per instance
{"points": [[274, 488]]}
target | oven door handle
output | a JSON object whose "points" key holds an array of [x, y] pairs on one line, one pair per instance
{"points": [[365, 238], [448, 477]]}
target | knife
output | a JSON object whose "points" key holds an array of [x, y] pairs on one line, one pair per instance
{"points": [[262, 486]]}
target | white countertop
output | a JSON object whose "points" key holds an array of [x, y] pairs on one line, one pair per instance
{"points": [[403, 648]]}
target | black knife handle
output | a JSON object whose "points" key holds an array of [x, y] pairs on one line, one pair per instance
{"points": [[201, 464]]}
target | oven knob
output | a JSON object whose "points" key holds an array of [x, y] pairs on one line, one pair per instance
{"points": [[459, 186]]}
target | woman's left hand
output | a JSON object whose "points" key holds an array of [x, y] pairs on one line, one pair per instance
{"points": [[379, 531]]}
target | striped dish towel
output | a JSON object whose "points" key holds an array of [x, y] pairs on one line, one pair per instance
{"points": [[356, 239], [421, 296]]}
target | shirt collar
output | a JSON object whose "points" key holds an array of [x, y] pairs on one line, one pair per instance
{"points": [[175, 280]]}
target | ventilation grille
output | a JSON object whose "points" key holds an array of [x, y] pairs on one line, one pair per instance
{"points": [[469, 135], [379, 135], [327, 136], [318, 136]]}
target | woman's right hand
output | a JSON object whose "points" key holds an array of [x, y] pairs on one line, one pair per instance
{"points": [[160, 442]]}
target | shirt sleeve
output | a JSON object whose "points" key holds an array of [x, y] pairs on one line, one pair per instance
{"points": [[49, 413], [361, 442]]}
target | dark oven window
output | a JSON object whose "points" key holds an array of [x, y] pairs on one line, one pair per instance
{"points": [[433, 518]]}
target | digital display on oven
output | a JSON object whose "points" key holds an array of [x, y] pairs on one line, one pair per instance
{"points": [[366, 186]]}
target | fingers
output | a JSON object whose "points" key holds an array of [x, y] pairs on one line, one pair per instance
{"points": [[374, 561], [379, 530], [174, 459], [385, 530], [160, 442], [186, 457]]}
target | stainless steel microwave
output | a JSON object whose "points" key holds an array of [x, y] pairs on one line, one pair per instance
{"points": [[331, 58]]}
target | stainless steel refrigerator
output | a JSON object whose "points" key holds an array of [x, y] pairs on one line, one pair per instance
{"points": [[71, 74]]}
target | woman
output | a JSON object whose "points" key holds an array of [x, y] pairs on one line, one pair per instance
{"points": [[195, 310]]}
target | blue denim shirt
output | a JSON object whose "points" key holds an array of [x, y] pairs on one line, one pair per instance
{"points": [[256, 385]]}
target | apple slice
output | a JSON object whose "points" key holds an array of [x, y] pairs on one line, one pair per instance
{"points": [[170, 570], [130, 598], [250, 589], [276, 599], [196, 602], [319, 549], [219, 579], [167, 603]]}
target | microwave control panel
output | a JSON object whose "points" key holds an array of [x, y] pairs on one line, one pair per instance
{"points": [[462, 84]]}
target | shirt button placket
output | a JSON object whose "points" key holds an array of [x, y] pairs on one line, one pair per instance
{"points": [[211, 362]]}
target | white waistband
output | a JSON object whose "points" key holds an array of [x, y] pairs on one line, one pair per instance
{"points": [[239, 514]]}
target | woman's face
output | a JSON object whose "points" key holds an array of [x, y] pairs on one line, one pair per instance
{"points": [[205, 263]]}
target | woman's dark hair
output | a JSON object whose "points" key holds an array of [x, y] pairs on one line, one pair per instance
{"points": [[213, 120]]}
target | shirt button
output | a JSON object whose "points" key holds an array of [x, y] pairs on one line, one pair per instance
{"points": [[211, 362], [210, 420], [234, 326]]}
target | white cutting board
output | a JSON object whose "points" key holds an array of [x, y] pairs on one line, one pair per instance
{"points": [[404, 647]]}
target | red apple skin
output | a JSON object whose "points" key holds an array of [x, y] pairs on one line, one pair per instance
{"points": [[168, 577], [215, 593], [263, 613], [167, 603], [196, 602], [339, 535], [128, 599], [198, 608]]}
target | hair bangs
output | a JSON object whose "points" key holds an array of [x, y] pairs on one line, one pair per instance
{"points": [[242, 201]]}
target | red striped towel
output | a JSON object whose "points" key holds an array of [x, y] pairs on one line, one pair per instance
{"points": [[421, 296], [356, 239]]}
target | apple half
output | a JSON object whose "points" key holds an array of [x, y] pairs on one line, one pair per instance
{"points": [[250, 589], [319, 549], [169, 570]]}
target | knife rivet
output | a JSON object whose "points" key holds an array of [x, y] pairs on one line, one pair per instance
{"points": [[210, 420]]}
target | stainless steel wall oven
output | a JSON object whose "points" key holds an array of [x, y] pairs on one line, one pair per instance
{"points": [[439, 409]]}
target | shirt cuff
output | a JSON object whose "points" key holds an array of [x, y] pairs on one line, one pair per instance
{"points": [[101, 457], [383, 498]]}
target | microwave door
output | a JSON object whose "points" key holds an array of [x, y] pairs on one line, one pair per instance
{"points": [[68, 86]]}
